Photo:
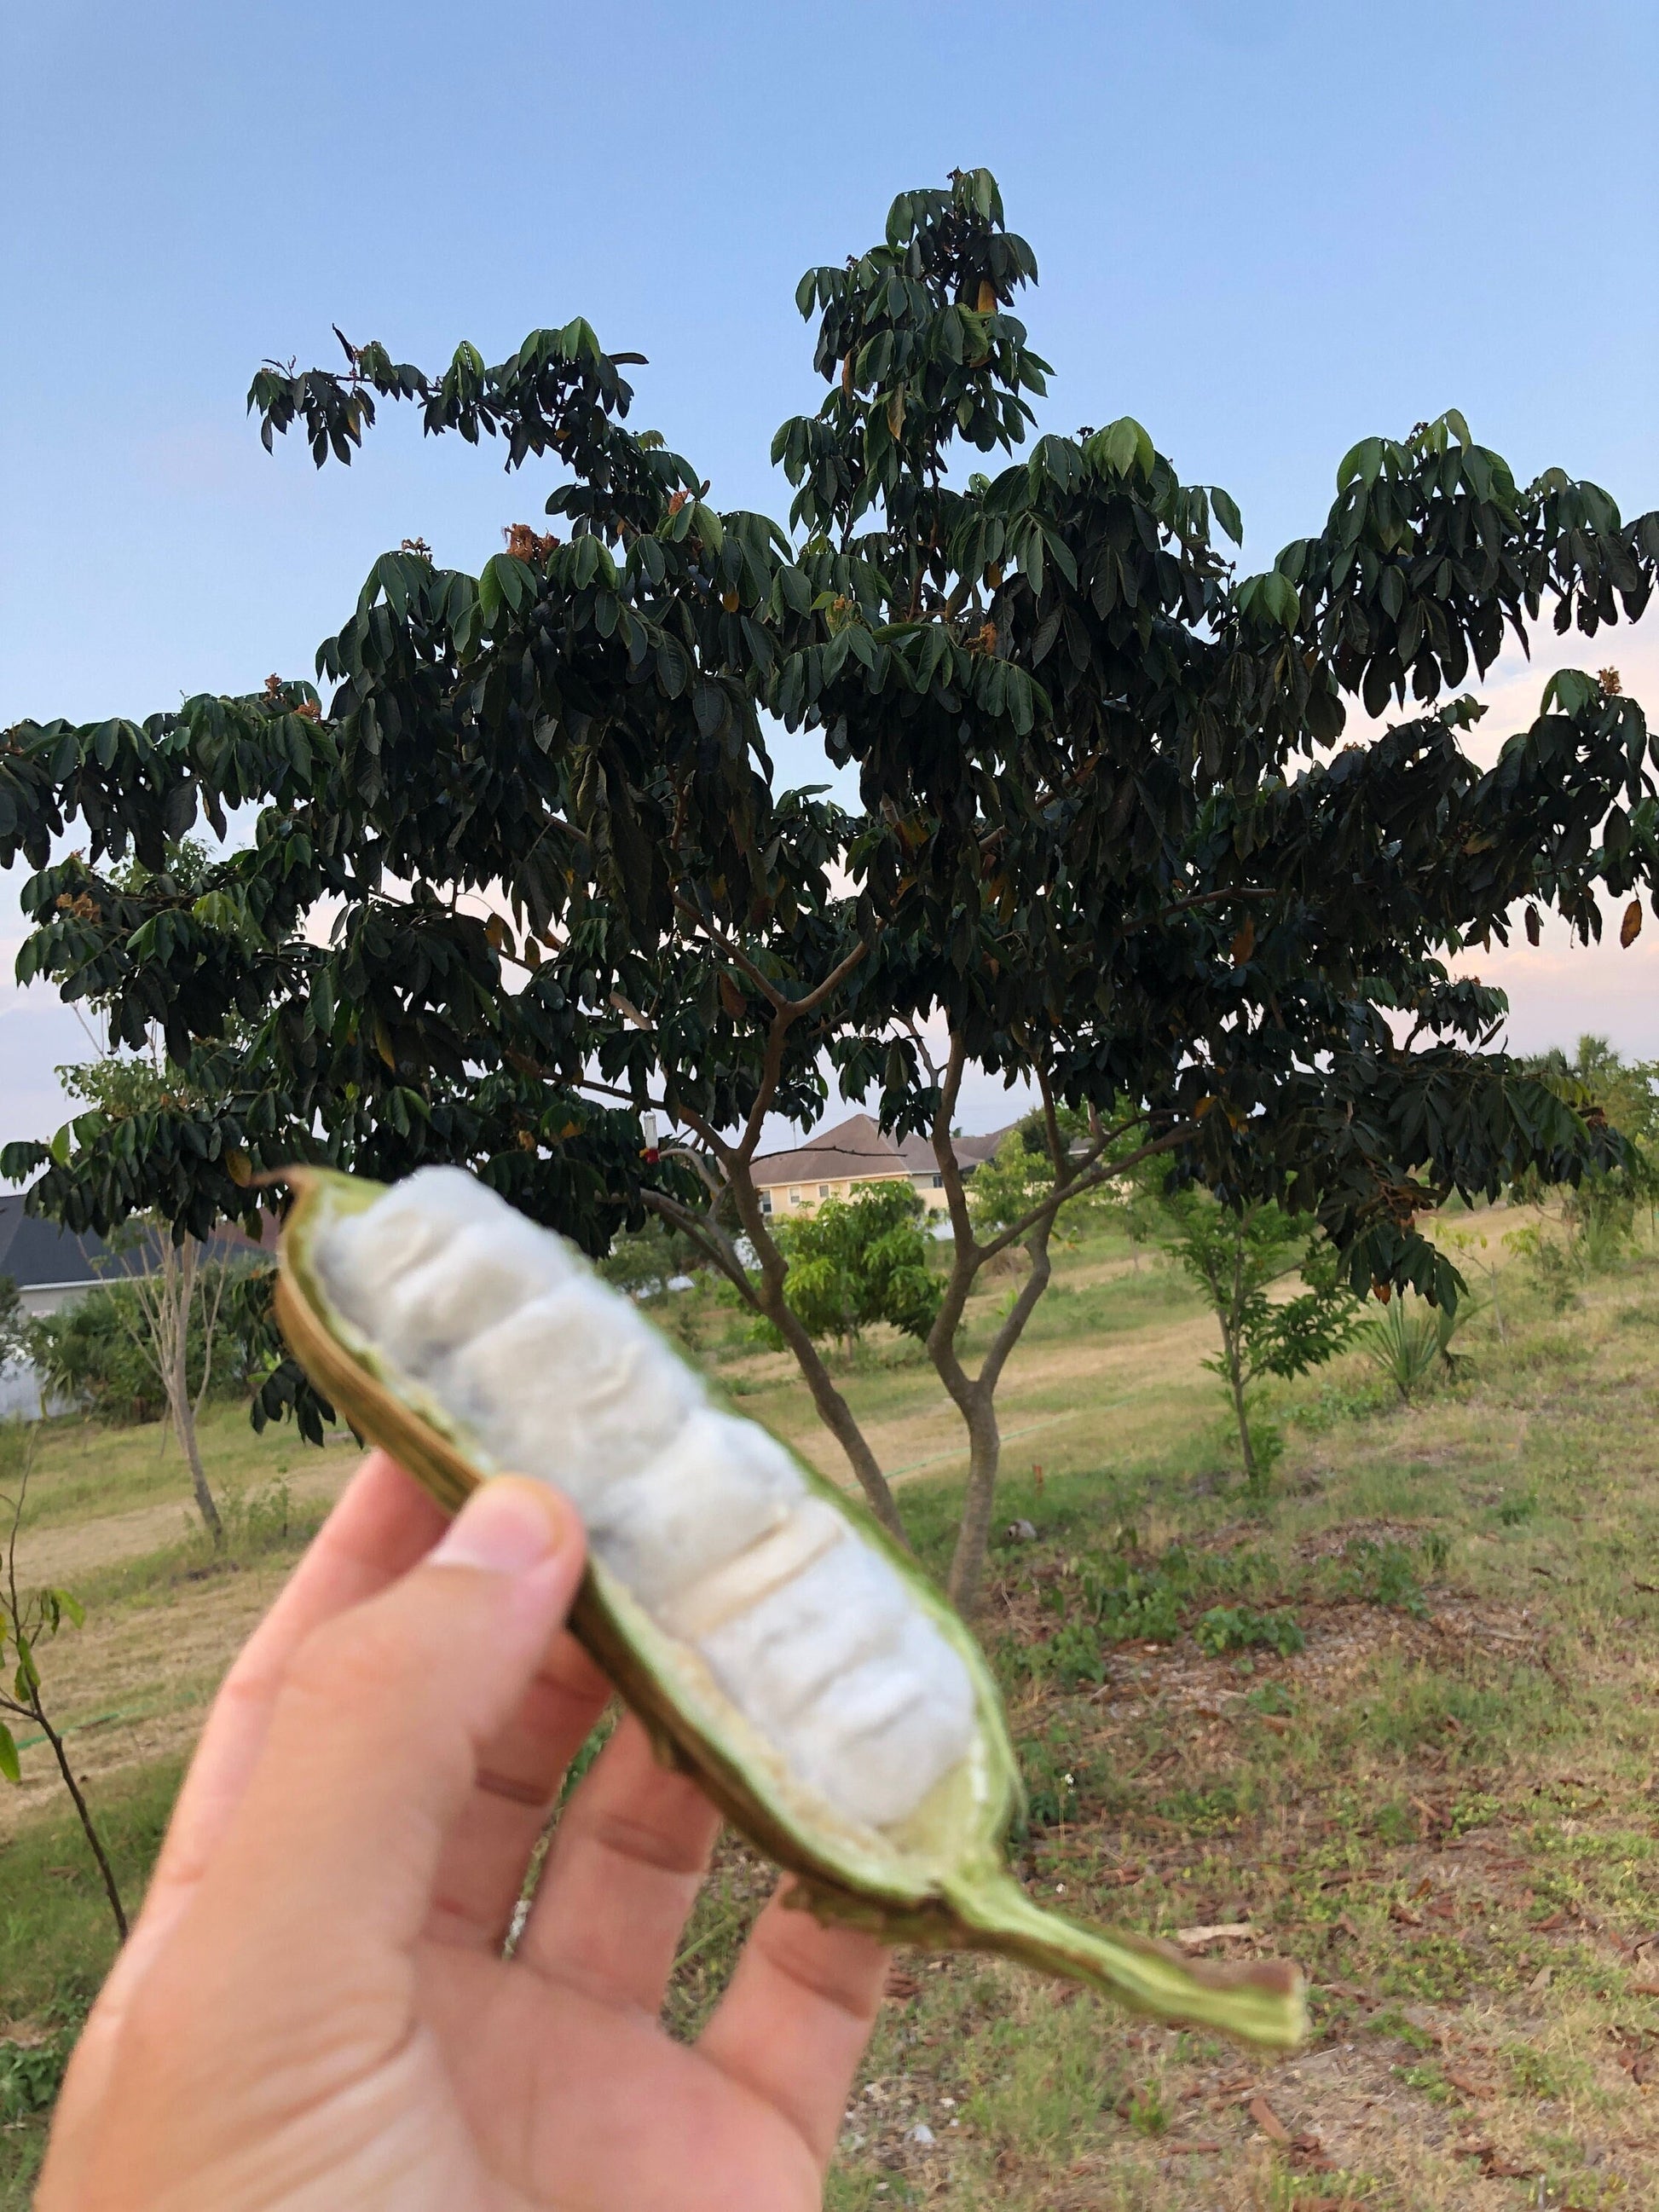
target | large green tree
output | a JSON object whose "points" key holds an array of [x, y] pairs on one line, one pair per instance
{"points": [[1107, 842]]}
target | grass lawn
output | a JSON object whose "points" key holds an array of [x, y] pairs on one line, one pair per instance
{"points": [[1400, 1725]]}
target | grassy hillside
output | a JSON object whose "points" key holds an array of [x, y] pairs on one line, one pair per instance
{"points": [[1401, 1725]]}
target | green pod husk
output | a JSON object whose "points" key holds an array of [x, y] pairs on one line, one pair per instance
{"points": [[940, 1881]]}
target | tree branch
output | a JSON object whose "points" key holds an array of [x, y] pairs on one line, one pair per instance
{"points": [[771, 1074], [1058, 1150], [734, 952], [1186, 905], [708, 1237], [1101, 1171], [716, 1190], [836, 977], [1013, 1323], [950, 1167]]}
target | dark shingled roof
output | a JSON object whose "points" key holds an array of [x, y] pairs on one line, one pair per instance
{"points": [[38, 1256]]}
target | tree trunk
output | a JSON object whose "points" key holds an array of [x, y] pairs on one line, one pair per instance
{"points": [[94, 1841], [179, 1293], [769, 1302], [1232, 1317], [185, 1416], [973, 1530], [837, 1417], [1236, 1384], [768, 1299], [974, 1399]]}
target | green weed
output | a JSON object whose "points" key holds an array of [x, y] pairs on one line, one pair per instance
{"points": [[1412, 1707], [1130, 1603], [1394, 1822], [1429, 2079], [1075, 1654], [1240, 1628], [1349, 1398], [1535, 2073], [1148, 2111], [1051, 1786], [1216, 1811], [1270, 1698], [1477, 1810], [1380, 1574]]}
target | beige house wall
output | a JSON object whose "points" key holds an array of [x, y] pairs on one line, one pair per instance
{"points": [[783, 1199]]}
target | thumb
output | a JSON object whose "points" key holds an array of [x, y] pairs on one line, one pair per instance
{"points": [[377, 1731]]}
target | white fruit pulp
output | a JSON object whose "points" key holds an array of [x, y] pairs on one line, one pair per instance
{"points": [[704, 1518]]}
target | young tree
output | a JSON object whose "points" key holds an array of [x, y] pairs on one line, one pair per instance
{"points": [[1106, 845], [178, 1289], [643, 1261], [1021, 1173], [1597, 1082], [28, 1620], [855, 1261], [1235, 1257]]}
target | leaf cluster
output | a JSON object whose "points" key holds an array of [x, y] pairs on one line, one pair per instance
{"points": [[855, 1261], [1235, 1257]]}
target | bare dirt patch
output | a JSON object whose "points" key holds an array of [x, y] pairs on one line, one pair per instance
{"points": [[66, 1554], [1063, 1392]]}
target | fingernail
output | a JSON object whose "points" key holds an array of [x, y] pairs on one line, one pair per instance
{"points": [[507, 1526]]}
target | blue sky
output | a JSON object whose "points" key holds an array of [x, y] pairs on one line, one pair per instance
{"points": [[1265, 229]]}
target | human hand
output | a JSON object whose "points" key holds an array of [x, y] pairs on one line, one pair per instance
{"points": [[313, 2010]]}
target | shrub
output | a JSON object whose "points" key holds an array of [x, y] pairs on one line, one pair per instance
{"points": [[13, 1323], [1404, 1344], [94, 1354]]}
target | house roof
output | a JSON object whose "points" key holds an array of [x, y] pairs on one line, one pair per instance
{"points": [[857, 1148], [40, 1255], [970, 1151]]}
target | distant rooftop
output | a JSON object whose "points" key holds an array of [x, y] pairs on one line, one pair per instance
{"points": [[857, 1148], [40, 1255]]}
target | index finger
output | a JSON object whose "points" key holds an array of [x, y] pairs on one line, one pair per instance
{"points": [[382, 1524]]}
